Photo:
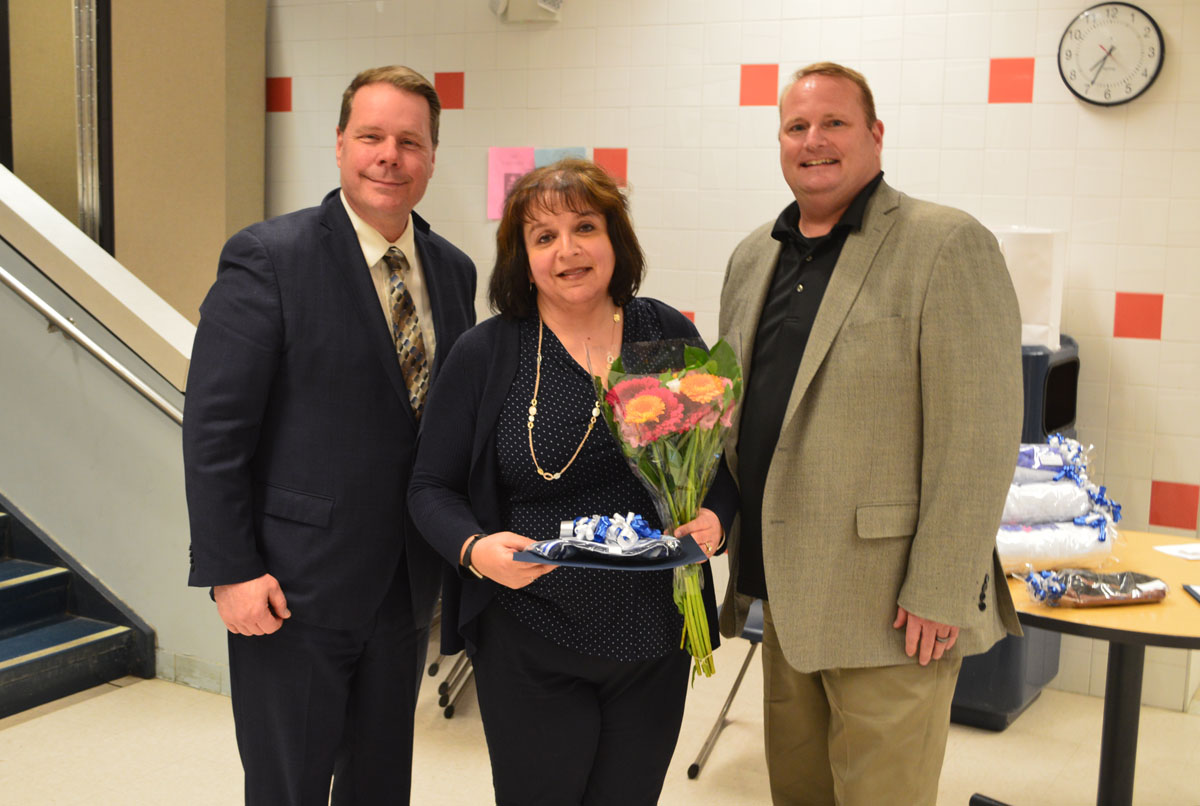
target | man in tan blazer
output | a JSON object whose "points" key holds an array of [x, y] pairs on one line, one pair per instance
{"points": [[880, 337]]}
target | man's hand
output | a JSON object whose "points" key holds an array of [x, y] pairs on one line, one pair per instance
{"points": [[931, 637], [493, 557], [254, 607]]}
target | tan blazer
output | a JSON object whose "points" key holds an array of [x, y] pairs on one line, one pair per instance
{"points": [[898, 443]]}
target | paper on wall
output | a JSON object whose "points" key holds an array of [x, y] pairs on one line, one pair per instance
{"points": [[505, 167], [545, 156], [1036, 261]]}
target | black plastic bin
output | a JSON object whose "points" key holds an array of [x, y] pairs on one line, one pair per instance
{"points": [[996, 687]]}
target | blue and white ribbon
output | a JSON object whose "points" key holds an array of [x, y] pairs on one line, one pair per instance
{"points": [[1045, 586], [622, 531]]}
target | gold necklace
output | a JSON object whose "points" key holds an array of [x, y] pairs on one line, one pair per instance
{"points": [[616, 321], [537, 382]]}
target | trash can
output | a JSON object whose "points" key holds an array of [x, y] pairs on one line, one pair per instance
{"points": [[1051, 390], [996, 687]]}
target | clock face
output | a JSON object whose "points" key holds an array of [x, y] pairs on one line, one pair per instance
{"points": [[1110, 54]]}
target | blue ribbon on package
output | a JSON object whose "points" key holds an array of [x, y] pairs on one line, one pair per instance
{"points": [[1097, 522], [638, 524], [627, 536], [1101, 500], [623, 531], [1045, 586]]}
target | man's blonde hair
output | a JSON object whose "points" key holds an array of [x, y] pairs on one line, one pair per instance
{"points": [[402, 78], [835, 70]]}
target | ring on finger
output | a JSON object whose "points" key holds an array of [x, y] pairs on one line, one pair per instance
{"points": [[941, 639]]}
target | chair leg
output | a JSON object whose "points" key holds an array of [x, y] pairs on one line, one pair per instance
{"points": [[452, 676], [454, 695], [694, 770]]}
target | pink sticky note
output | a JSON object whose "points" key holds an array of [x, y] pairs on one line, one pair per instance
{"points": [[505, 167]]}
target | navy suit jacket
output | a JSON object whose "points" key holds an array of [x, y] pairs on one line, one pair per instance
{"points": [[298, 436]]}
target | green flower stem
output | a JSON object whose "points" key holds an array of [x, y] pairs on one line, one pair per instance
{"points": [[704, 649], [695, 628]]}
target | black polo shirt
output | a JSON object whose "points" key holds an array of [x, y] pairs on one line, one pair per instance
{"points": [[797, 288]]}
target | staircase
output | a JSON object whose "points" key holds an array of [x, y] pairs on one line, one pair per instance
{"points": [[60, 631]]}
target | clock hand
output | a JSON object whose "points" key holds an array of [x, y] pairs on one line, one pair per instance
{"points": [[1100, 66], [1110, 53]]}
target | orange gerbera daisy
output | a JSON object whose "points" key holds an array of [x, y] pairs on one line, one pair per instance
{"points": [[644, 409], [702, 387]]}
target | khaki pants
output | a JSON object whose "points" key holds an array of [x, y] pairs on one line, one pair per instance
{"points": [[854, 737]]}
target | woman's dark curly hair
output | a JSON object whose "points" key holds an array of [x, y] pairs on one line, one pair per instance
{"points": [[570, 184]]}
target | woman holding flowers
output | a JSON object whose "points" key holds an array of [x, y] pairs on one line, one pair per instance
{"points": [[579, 671]]}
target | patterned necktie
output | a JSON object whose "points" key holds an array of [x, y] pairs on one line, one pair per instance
{"points": [[406, 332]]}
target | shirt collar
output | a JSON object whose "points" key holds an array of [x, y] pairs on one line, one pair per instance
{"points": [[373, 244], [787, 226]]}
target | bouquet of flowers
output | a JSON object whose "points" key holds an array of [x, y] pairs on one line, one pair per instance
{"points": [[669, 405]]}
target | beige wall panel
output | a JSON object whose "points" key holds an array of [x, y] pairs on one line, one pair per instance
{"points": [[42, 41], [246, 119], [187, 156]]}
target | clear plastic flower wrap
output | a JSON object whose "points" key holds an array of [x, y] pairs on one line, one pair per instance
{"points": [[1078, 587], [668, 405], [619, 536]]}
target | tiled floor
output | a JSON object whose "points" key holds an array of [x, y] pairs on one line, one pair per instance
{"points": [[152, 742]]}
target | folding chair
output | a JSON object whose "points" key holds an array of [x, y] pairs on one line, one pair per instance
{"points": [[449, 690], [752, 632]]}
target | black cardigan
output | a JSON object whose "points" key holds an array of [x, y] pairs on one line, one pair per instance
{"points": [[454, 491]]}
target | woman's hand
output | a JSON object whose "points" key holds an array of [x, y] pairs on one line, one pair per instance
{"points": [[706, 530], [493, 557]]}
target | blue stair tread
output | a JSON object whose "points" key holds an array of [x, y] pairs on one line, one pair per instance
{"points": [[11, 570], [47, 638]]}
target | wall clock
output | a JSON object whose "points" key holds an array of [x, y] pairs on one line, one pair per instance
{"points": [[1110, 54]]}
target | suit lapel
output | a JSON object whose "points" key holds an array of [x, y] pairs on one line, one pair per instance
{"points": [[435, 282], [751, 295], [855, 262], [342, 250]]}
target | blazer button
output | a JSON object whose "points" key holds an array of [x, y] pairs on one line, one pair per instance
{"points": [[799, 287]]}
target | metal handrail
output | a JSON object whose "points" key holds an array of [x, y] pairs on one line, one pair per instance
{"points": [[72, 332]]}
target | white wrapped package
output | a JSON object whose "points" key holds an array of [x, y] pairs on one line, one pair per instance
{"points": [[1046, 546], [1045, 502], [1058, 458]]}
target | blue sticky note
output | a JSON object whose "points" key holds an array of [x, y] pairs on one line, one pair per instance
{"points": [[545, 156]]}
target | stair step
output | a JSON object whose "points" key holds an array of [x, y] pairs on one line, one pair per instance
{"points": [[29, 592], [14, 572], [59, 657]]}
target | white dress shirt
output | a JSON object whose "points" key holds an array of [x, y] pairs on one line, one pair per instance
{"points": [[374, 247]]}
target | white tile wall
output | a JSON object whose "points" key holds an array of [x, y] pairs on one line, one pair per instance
{"points": [[662, 78]]}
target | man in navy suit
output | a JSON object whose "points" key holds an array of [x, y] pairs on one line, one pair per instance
{"points": [[313, 352]]}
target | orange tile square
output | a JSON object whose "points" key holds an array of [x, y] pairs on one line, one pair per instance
{"points": [[1138, 316], [1010, 81], [1174, 505], [760, 85], [279, 94], [449, 88], [690, 315], [613, 160]]}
